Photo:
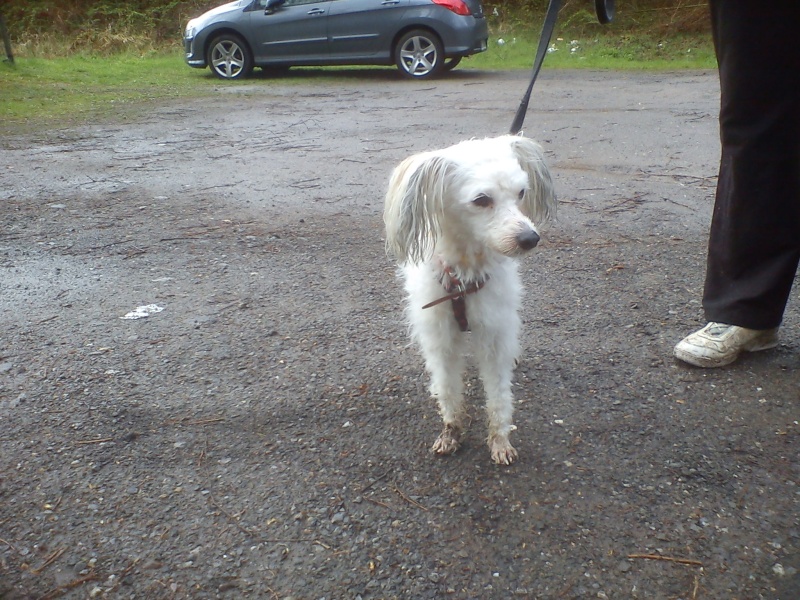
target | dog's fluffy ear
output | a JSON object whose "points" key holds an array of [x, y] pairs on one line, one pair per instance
{"points": [[539, 203], [414, 207]]}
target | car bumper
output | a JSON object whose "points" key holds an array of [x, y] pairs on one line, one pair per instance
{"points": [[193, 57], [466, 41]]}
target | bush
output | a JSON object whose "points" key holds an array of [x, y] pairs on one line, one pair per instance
{"points": [[58, 27]]}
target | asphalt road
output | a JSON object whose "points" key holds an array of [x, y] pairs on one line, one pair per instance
{"points": [[266, 433]]}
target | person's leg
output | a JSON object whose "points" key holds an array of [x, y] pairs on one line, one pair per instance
{"points": [[754, 243]]}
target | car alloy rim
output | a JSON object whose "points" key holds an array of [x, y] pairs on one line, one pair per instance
{"points": [[227, 59], [418, 55]]}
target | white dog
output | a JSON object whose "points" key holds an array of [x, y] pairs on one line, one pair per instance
{"points": [[455, 220]]}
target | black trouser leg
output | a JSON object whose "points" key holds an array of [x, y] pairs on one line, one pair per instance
{"points": [[754, 244]]}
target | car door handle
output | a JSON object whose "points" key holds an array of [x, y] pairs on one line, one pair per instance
{"points": [[390, 2], [316, 11]]}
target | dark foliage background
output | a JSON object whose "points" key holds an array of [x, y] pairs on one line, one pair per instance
{"points": [[92, 23]]}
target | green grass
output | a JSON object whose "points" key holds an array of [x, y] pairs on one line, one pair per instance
{"points": [[593, 51], [74, 89], [67, 90]]}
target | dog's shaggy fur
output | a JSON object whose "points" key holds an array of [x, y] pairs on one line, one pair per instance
{"points": [[455, 220]]}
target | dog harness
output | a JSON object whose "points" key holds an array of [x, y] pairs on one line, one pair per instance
{"points": [[457, 291]]}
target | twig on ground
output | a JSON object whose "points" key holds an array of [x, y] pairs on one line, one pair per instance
{"points": [[206, 421], [234, 519], [122, 576], [94, 441], [9, 544], [409, 500], [109, 244], [683, 561], [63, 589], [50, 560], [377, 479], [186, 421], [273, 593], [378, 502]]}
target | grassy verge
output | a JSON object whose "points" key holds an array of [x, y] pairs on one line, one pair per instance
{"points": [[67, 90], [593, 51]]}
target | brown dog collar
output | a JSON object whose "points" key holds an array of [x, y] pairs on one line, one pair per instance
{"points": [[457, 291]]}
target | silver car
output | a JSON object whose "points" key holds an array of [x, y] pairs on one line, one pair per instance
{"points": [[422, 37]]}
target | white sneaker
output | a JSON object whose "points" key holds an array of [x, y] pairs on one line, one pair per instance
{"points": [[718, 344]]}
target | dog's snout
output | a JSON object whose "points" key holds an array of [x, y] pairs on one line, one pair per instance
{"points": [[528, 239]]}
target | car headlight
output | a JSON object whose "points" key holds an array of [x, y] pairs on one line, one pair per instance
{"points": [[191, 29]]}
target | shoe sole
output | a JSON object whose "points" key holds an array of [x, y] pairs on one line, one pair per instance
{"points": [[710, 363]]}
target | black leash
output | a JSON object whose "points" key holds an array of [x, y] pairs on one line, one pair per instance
{"points": [[605, 13]]}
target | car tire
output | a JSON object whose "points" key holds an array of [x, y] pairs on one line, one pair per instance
{"points": [[229, 57], [451, 63], [419, 54]]}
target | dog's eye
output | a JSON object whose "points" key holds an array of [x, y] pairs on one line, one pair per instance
{"points": [[521, 194], [483, 201]]}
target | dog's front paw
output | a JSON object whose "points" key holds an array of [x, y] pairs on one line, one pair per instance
{"points": [[448, 441], [503, 453]]}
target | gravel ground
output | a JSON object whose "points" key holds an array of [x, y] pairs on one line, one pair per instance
{"points": [[267, 434]]}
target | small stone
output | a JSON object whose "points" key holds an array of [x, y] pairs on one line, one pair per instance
{"points": [[625, 566]]}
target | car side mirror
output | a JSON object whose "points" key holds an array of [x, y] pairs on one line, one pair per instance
{"points": [[272, 5]]}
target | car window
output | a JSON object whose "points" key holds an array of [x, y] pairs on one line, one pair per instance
{"points": [[263, 3]]}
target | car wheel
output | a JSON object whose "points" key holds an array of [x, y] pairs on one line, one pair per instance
{"points": [[229, 57], [419, 54], [451, 63]]}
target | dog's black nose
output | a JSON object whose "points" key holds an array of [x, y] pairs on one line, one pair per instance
{"points": [[528, 239]]}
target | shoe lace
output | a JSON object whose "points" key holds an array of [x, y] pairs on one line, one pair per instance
{"points": [[717, 328]]}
